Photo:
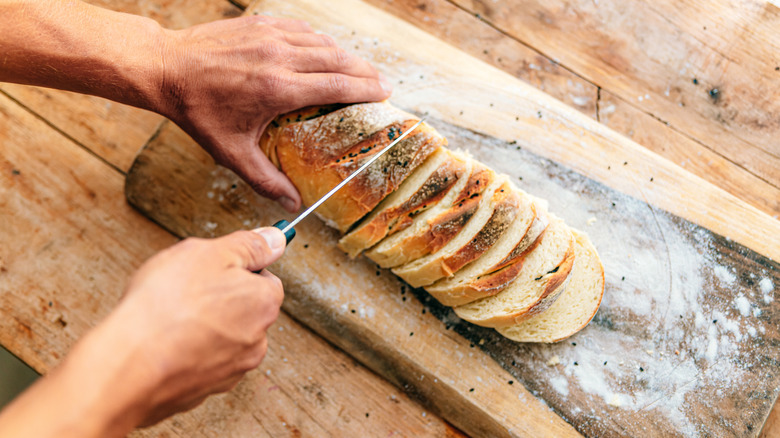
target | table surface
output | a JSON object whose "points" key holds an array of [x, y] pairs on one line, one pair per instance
{"points": [[695, 82]]}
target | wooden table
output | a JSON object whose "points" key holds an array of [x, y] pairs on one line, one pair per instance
{"points": [[695, 83]]}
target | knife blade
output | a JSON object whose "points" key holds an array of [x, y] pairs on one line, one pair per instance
{"points": [[288, 228]]}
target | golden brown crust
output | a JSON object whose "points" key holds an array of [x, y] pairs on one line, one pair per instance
{"points": [[268, 139], [493, 282], [401, 216], [318, 154], [506, 204], [555, 279], [446, 225], [502, 274]]}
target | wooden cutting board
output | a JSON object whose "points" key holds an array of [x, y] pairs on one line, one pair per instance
{"points": [[685, 342]]}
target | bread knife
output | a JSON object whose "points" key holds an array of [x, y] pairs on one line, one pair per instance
{"points": [[288, 227]]}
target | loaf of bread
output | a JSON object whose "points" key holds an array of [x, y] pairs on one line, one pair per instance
{"points": [[441, 220]]}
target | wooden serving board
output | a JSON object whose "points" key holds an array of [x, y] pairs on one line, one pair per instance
{"points": [[686, 341]]}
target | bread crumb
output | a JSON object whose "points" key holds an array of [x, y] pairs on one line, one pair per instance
{"points": [[649, 352], [615, 401], [592, 221], [555, 360], [481, 342]]}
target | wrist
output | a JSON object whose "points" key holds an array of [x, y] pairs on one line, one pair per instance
{"points": [[109, 379], [102, 389]]}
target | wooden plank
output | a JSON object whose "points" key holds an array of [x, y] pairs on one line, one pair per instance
{"points": [[687, 153], [649, 55], [480, 39], [652, 258], [651, 351], [464, 91], [111, 130], [178, 185], [70, 242]]}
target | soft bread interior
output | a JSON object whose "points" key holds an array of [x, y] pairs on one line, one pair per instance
{"points": [[391, 251], [534, 287], [356, 240], [427, 269], [525, 229], [574, 308]]}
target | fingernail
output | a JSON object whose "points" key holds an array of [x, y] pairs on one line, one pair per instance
{"points": [[287, 203], [385, 83], [273, 237]]}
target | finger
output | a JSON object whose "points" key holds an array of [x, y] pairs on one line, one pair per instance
{"points": [[273, 292], [252, 358], [252, 250], [288, 24], [267, 180], [321, 88], [308, 39], [332, 60]]}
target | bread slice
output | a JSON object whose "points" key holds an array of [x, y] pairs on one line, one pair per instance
{"points": [[537, 286], [436, 227], [576, 306], [318, 154], [496, 212], [427, 185], [487, 276]]}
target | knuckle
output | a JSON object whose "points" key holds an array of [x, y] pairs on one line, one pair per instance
{"points": [[303, 24], [253, 357], [342, 58], [336, 83], [327, 41], [191, 243], [272, 48]]}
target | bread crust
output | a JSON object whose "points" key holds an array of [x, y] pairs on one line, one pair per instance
{"points": [[269, 139], [439, 230], [551, 284], [499, 276], [506, 210], [584, 253], [318, 154], [399, 217], [502, 205]]}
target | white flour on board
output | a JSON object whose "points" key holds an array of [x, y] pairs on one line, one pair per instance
{"points": [[676, 341]]}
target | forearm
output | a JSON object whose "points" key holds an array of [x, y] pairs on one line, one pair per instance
{"points": [[74, 46], [100, 390]]}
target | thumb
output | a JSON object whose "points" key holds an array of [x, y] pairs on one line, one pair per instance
{"points": [[267, 180], [254, 250]]}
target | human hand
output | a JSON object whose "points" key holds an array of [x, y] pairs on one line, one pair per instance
{"points": [[224, 81], [192, 322], [199, 316]]}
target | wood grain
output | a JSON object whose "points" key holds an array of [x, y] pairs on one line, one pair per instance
{"points": [[661, 59], [650, 349], [500, 48], [459, 89], [639, 393], [687, 153], [177, 185], [70, 242]]}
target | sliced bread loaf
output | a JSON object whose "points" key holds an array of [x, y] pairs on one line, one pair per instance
{"points": [[422, 190], [538, 284], [574, 308], [436, 227], [496, 212], [488, 275], [318, 154]]}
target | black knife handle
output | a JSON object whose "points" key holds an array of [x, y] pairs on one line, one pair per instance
{"points": [[290, 234]]}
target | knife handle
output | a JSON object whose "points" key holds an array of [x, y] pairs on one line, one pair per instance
{"points": [[289, 234]]}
